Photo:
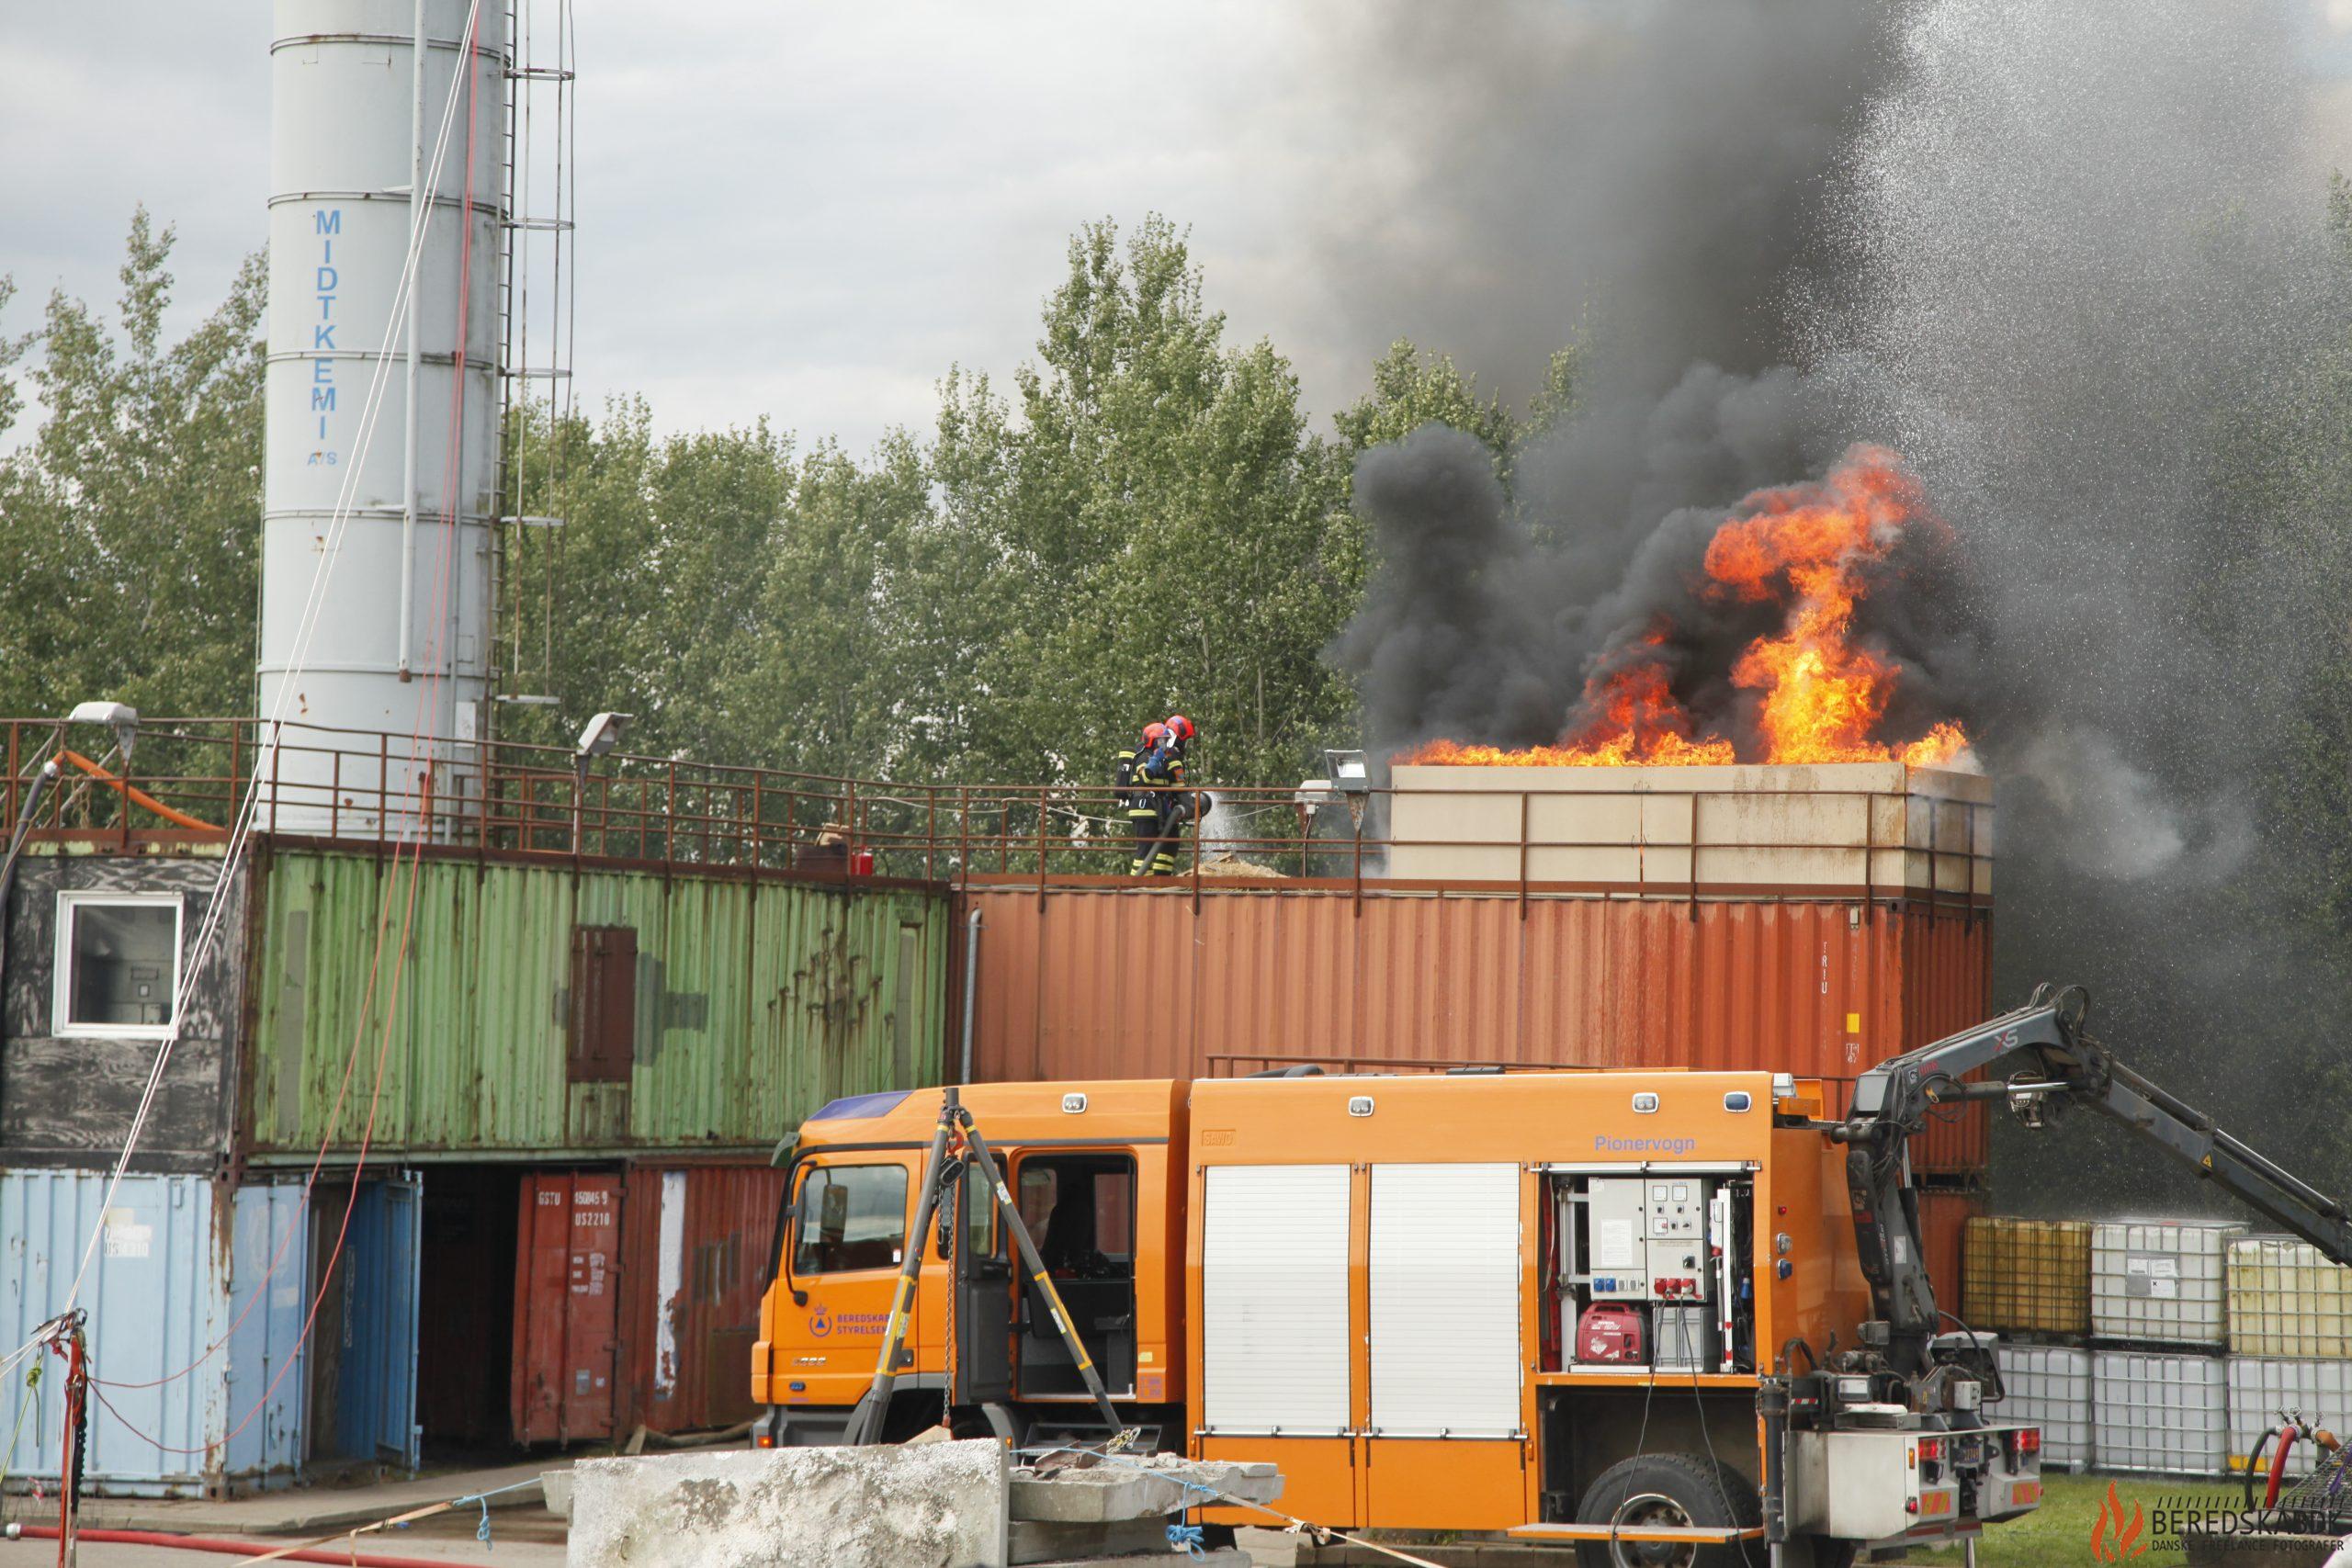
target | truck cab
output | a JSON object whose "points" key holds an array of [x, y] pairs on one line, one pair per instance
{"points": [[1095, 1170]]}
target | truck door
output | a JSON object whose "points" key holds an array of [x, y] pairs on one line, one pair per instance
{"points": [[1275, 1365], [1080, 1209], [847, 1242], [983, 1300], [1447, 1442]]}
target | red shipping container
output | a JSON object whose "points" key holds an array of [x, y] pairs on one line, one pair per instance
{"points": [[1096, 980], [567, 1289], [1943, 1218], [697, 1244]]}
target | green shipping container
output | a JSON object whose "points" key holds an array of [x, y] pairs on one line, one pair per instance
{"points": [[545, 1010]]}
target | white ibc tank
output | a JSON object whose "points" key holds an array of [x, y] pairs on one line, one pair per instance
{"points": [[2160, 1281], [342, 134]]}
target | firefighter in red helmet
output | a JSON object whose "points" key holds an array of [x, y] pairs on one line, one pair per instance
{"points": [[1139, 806], [1159, 769]]}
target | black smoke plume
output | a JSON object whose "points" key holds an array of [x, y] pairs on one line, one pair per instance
{"points": [[2074, 263]]}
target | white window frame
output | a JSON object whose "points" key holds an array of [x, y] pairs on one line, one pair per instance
{"points": [[69, 904]]}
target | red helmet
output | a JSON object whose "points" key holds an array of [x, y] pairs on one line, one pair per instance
{"points": [[1180, 729], [1152, 733]]}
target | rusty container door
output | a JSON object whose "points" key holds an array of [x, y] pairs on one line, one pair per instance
{"points": [[698, 1245], [567, 1293]]}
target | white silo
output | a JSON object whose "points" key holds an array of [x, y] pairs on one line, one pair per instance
{"points": [[382, 415]]}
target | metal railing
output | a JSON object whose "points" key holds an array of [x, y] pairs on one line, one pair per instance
{"points": [[186, 782]]}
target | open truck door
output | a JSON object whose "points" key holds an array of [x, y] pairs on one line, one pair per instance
{"points": [[983, 1299]]}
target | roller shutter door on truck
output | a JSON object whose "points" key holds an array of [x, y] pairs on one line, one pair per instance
{"points": [[1444, 1299], [1275, 1299]]}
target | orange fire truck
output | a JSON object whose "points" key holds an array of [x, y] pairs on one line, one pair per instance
{"points": [[1659, 1314]]}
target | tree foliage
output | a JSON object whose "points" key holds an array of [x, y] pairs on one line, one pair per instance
{"points": [[1137, 521], [129, 523]]}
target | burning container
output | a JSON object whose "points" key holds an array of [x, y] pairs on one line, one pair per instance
{"points": [[1854, 827], [1670, 946]]}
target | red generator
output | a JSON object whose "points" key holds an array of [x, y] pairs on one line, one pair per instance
{"points": [[1609, 1334]]}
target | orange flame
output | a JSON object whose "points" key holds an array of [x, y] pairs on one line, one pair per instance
{"points": [[2113, 1540], [1806, 548]]}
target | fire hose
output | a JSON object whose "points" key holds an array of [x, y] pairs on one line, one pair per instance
{"points": [[2291, 1427]]}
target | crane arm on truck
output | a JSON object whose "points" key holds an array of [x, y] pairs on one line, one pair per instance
{"points": [[2059, 1066]]}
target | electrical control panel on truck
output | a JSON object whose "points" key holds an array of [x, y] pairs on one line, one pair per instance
{"points": [[1650, 1269]]}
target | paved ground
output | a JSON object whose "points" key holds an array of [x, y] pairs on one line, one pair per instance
{"points": [[509, 1554], [523, 1533], [311, 1510]]}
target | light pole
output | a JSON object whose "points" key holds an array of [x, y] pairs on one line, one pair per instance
{"points": [[598, 736]]}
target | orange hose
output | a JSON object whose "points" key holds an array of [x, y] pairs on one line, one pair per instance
{"points": [[179, 817]]}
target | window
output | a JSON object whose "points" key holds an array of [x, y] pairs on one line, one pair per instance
{"points": [[979, 1215], [852, 1216], [1079, 1209], [118, 963]]}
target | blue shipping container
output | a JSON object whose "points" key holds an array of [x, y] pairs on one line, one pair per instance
{"points": [[155, 1293], [195, 1336], [270, 1265]]}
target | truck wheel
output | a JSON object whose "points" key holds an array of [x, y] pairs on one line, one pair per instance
{"points": [[1675, 1490]]}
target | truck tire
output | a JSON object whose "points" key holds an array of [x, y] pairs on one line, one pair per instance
{"points": [[1667, 1489]]}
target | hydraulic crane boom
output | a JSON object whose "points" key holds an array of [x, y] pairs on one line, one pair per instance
{"points": [[2060, 1065]]}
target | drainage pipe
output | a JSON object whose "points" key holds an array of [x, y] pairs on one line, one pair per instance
{"points": [[971, 986], [417, 210]]}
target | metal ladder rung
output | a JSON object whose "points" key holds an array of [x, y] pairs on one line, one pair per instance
{"points": [[537, 373], [545, 225], [534, 522], [538, 73]]}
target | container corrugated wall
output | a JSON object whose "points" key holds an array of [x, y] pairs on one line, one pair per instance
{"points": [[155, 1293], [696, 1261], [567, 1286], [1944, 1218], [757, 1001], [1091, 981]]}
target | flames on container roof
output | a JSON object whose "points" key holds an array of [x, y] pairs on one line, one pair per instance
{"points": [[1808, 552]]}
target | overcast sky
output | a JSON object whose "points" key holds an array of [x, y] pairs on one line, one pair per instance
{"points": [[806, 211]]}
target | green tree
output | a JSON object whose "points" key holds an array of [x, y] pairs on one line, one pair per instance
{"points": [[1171, 537], [128, 523], [1410, 389]]}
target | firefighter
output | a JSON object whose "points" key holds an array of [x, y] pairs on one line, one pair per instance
{"points": [[1161, 769], [1140, 806]]}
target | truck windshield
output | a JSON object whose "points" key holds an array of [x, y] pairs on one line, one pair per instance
{"points": [[852, 1216]]}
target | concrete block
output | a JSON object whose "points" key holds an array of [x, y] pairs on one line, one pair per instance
{"points": [[555, 1485], [1034, 1543], [1138, 1488], [936, 1506]]}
